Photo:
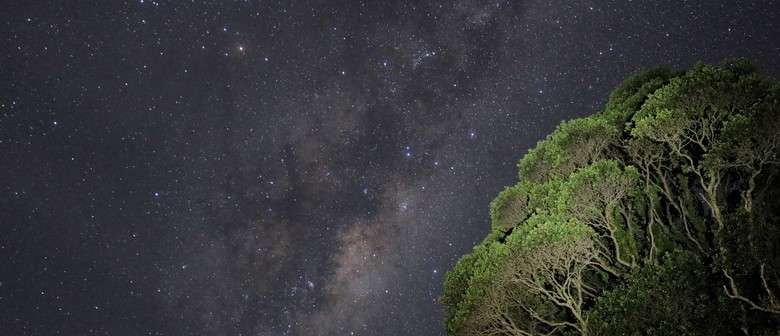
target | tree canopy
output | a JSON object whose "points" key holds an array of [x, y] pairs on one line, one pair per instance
{"points": [[655, 216]]}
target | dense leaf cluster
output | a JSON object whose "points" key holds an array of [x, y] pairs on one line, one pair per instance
{"points": [[655, 216]]}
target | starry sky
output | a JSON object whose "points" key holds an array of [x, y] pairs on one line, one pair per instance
{"points": [[293, 167]]}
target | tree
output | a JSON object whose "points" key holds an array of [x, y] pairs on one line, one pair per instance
{"points": [[573, 144], [467, 284], [550, 264], [537, 286], [592, 195], [655, 216], [511, 207]]}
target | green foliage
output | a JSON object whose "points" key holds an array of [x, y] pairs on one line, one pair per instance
{"points": [[629, 95], [655, 216], [465, 284], [572, 145], [543, 229], [510, 207]]}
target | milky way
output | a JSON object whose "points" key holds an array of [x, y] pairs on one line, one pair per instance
{"points": [[294, 167]]}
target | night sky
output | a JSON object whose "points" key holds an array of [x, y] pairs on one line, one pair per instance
{"points": [[293, 167]]}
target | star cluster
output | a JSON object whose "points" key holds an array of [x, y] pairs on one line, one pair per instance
{"points": [[293, 167]]}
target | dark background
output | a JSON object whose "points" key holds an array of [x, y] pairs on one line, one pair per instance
{"points": [[293, 167]]}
